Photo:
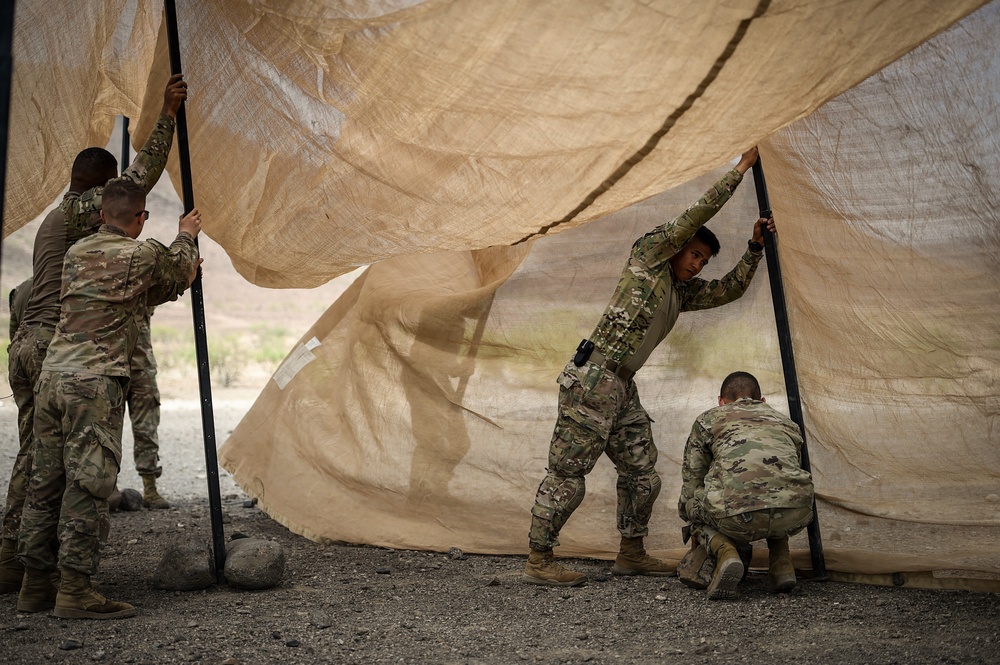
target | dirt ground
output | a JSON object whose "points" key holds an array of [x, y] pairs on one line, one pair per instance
{"points": [[341, 603]]}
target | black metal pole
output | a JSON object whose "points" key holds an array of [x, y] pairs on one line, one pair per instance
{"points": [[6, 77], [198, 312], [126, 153], [788, 359]]}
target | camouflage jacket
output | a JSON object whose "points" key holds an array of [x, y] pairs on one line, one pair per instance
{"points": [[647, 279], [110, 282], [78, 216], [743, 456]]}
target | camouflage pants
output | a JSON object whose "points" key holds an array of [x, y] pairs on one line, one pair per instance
{"points": [[78, 429], [143, 399], [25, 356], [607, 419], [750, 526]]}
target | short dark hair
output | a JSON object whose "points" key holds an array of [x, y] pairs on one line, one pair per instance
{"points": [[94, 162], [120, 197], [739, 384], [705, 235]]}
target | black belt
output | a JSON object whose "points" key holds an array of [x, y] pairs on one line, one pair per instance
{"points": [[616, 368]]}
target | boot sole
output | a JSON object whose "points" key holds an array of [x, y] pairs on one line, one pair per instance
{"points": [[537, 580], [725, 581], [73, 613]]}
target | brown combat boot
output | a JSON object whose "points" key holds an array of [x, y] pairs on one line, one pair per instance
{"points": [[542, 568], [150, 497], [78, 600], [780, 572], [11, 570], [38, 591], [633, 560], [728, 569]]}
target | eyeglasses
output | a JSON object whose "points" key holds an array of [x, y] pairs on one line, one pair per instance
{"points": [[143, 213]]}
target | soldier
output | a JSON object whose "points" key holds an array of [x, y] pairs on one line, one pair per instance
{"points": [[599, 409], [743, 481], [76, 217], [110, 281]]}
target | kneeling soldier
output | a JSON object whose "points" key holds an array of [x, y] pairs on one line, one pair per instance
{"points": [[743, 481]]}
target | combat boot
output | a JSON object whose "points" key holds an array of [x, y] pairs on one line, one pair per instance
{"points": [[150, 497], [780, 572], [11, 570], [77, 599], [38, 591], [542, 568], [633, 560], [728, 569]]}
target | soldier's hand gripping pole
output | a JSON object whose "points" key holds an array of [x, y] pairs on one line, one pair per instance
{"points": [[787, 359], [198, 312]]}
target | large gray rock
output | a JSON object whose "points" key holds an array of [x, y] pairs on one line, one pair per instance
{"points": [[187, 565], [252, 563]]}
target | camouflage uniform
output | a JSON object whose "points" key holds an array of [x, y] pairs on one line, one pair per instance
{"points": [[743, 476], [110, 282], [143, 399], [76, 217], [599, 409]]}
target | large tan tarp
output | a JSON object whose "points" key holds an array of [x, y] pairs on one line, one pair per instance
{"points": [[463, 146]]}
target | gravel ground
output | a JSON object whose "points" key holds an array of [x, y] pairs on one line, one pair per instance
{"points": [[351, 604]]}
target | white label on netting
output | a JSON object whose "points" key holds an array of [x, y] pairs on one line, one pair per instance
{"points": [[298, 359]]}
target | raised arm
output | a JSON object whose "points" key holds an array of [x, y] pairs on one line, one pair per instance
{"points": [[657, 246], [176, 266], [149, 163]]}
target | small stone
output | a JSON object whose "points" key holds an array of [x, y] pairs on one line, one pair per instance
{"points": [[583, 636], [383, 571], [455, 554], [252, 563], [250, 503], [185, 566], [230, 661], [276, 634], [99, 655], [993, 498], [21, 626], [242, 610], [69, 645], [292, 643], [660, 597], [880, 602], [131, 500], [494, 582], [192, 624]]}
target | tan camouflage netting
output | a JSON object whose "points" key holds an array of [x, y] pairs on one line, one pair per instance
{"points": [[428, 138]]}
